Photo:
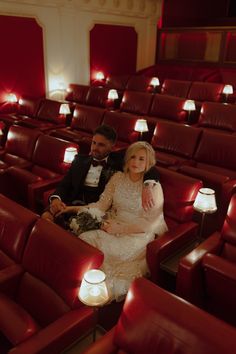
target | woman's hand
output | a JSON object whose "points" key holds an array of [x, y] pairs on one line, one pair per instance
{"points": [[112, 226]]}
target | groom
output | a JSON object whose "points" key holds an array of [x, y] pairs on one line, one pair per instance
{"points": [[88, 175]]}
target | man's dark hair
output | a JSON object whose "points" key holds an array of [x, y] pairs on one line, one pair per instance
{"points": [[108, 132]]}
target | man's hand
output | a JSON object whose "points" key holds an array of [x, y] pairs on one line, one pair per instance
{"points": [[56, 206], [148, 201]]}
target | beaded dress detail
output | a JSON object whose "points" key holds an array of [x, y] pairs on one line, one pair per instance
{"points": [[125, 253]]}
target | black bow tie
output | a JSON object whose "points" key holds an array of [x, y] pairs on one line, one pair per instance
{"points": [[96, 163]]}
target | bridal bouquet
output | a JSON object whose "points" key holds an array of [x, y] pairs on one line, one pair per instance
{"points": [[88, 219]]}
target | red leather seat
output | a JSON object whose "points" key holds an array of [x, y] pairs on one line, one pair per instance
{"points": [[179, 194], [43, 313], [137, 103], [27, 185], [16, 224], [138, 83], [178, 88], [218, 117], [77, 93], [175, 144], [19, 147], [155, 321], [207, 276]]}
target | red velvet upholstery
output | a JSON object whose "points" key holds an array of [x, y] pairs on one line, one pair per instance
{"points": [[179, 194], [138, 83], [168, 107], [16, 223], [177, 88], [77, 93], [136, 102], [218, 116], [205, 91], [45, 314], [174, 144], [19, 147], [47, 169], [207, 276], [155, 321]]}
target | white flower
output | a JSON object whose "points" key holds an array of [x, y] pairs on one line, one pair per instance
{"points": [[74, 225], [95, 213]]}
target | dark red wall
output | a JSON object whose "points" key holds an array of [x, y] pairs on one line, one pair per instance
{"points": [[194, 13], [113, 50], [21, 58]]}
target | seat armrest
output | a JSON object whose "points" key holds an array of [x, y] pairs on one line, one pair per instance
{"points": [[189, 278], [103, 345], [167, 244], [36, 190], [59, 334], [9, 278]]}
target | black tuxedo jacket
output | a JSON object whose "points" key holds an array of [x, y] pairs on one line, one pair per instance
{"points": [[72, 187]]}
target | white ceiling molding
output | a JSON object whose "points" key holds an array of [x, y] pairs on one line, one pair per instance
{"points": [[128, 8]]}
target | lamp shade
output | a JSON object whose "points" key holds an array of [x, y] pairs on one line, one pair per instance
{"points": [[112, 95], [93, 290], [99, 76], [11, 97], [205, 201], [155, 81], [69, 155], [228, 89], [141, 126], [64, 108], [189, 105], [1, 132]]}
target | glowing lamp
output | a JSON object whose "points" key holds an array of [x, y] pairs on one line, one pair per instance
{"points": [[155, 82], [69, 155], [189, 105], [64, 109], [11, 98], [112, 95], [93, 290], [205, 203], [141, 127], [228, 90], [100, 76]]}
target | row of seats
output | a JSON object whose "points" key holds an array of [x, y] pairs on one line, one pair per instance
{"points": [[41, 268], [30, 163], [155, 321]]}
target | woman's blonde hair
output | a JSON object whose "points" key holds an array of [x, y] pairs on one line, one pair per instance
{"points": [[140, 145]]}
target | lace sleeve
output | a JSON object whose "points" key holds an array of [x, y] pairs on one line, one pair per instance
{"points": [[106, 198]]}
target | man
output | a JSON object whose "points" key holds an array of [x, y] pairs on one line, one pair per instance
{"points": [[88, 175]]}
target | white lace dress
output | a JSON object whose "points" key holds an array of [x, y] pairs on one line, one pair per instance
{"points": [[124, 253]]}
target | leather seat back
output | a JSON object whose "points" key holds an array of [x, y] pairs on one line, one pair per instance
{"points": [[178, 88], [168, 107], [87, 118], [136, 102], [54, 263], [179, 194]]}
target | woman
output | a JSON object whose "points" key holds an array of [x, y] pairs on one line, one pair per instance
{"points": [[128, 229]]}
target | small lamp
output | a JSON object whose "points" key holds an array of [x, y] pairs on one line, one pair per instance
{"points": [[93, 291], [155, 83], [64, 109], [11, 98], [100, 76], [205, 203], [141, 127], [189, 105], [111, 97], [227, 90], [69, 155]]}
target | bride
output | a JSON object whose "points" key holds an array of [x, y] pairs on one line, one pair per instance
{"points": [[127, 230]]}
